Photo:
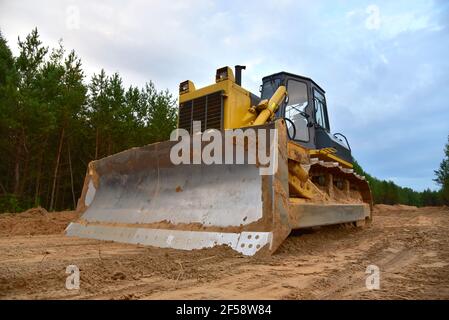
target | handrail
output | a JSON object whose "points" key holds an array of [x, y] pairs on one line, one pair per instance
{"points": [[344, 137]]}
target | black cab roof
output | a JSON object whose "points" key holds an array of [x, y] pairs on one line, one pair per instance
{"points": [[284, 74]]}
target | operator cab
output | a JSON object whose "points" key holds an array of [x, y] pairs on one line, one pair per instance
{"points": [[305, 113]]}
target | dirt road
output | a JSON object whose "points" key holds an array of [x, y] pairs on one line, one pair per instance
{"points": [[410, 247]]}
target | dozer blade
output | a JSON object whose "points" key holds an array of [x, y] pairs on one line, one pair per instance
{"points": [[139, 196]]}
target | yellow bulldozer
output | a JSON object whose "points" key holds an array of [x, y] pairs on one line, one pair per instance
{"points": [[148, 196]]}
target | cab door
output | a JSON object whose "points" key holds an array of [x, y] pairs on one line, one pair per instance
{"points": [[296, 112], [320, 111], [323, 136]]}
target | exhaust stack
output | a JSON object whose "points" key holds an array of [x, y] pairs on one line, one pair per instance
{"points": [[238, 74]]}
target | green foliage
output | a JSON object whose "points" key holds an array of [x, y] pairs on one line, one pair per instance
{"points": [[442, 174], [12, 203], [53, 123]]}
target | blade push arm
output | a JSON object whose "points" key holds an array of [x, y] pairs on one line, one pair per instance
{"points": [[272, 106]]}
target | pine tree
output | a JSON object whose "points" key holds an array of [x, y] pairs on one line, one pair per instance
{"points": [[442, 175], [96, 110], [162, 114], [8, 122], [71, 96], [117, 138], [32, 113]]}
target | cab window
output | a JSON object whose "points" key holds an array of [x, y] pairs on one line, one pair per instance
{"points": [[320, 109], [269, 87], [295, 109]]}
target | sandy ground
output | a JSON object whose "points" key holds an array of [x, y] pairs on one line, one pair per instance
{"points": [[409, 245]]}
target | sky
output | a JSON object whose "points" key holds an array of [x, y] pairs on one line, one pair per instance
{"points": [[384, 64]]}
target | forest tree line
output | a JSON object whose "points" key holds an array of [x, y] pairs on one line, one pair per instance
{"points": [[54, 121]]}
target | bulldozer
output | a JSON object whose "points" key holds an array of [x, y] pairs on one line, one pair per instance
{"points": [[142, 196]]}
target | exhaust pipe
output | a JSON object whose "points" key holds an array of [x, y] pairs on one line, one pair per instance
{"points": [[238, 74]]}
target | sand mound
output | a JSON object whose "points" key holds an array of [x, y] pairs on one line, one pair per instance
{"points": [[33, 212], [35, 221]]}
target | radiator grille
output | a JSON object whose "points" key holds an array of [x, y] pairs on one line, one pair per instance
{"points": [[207, 109]]}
